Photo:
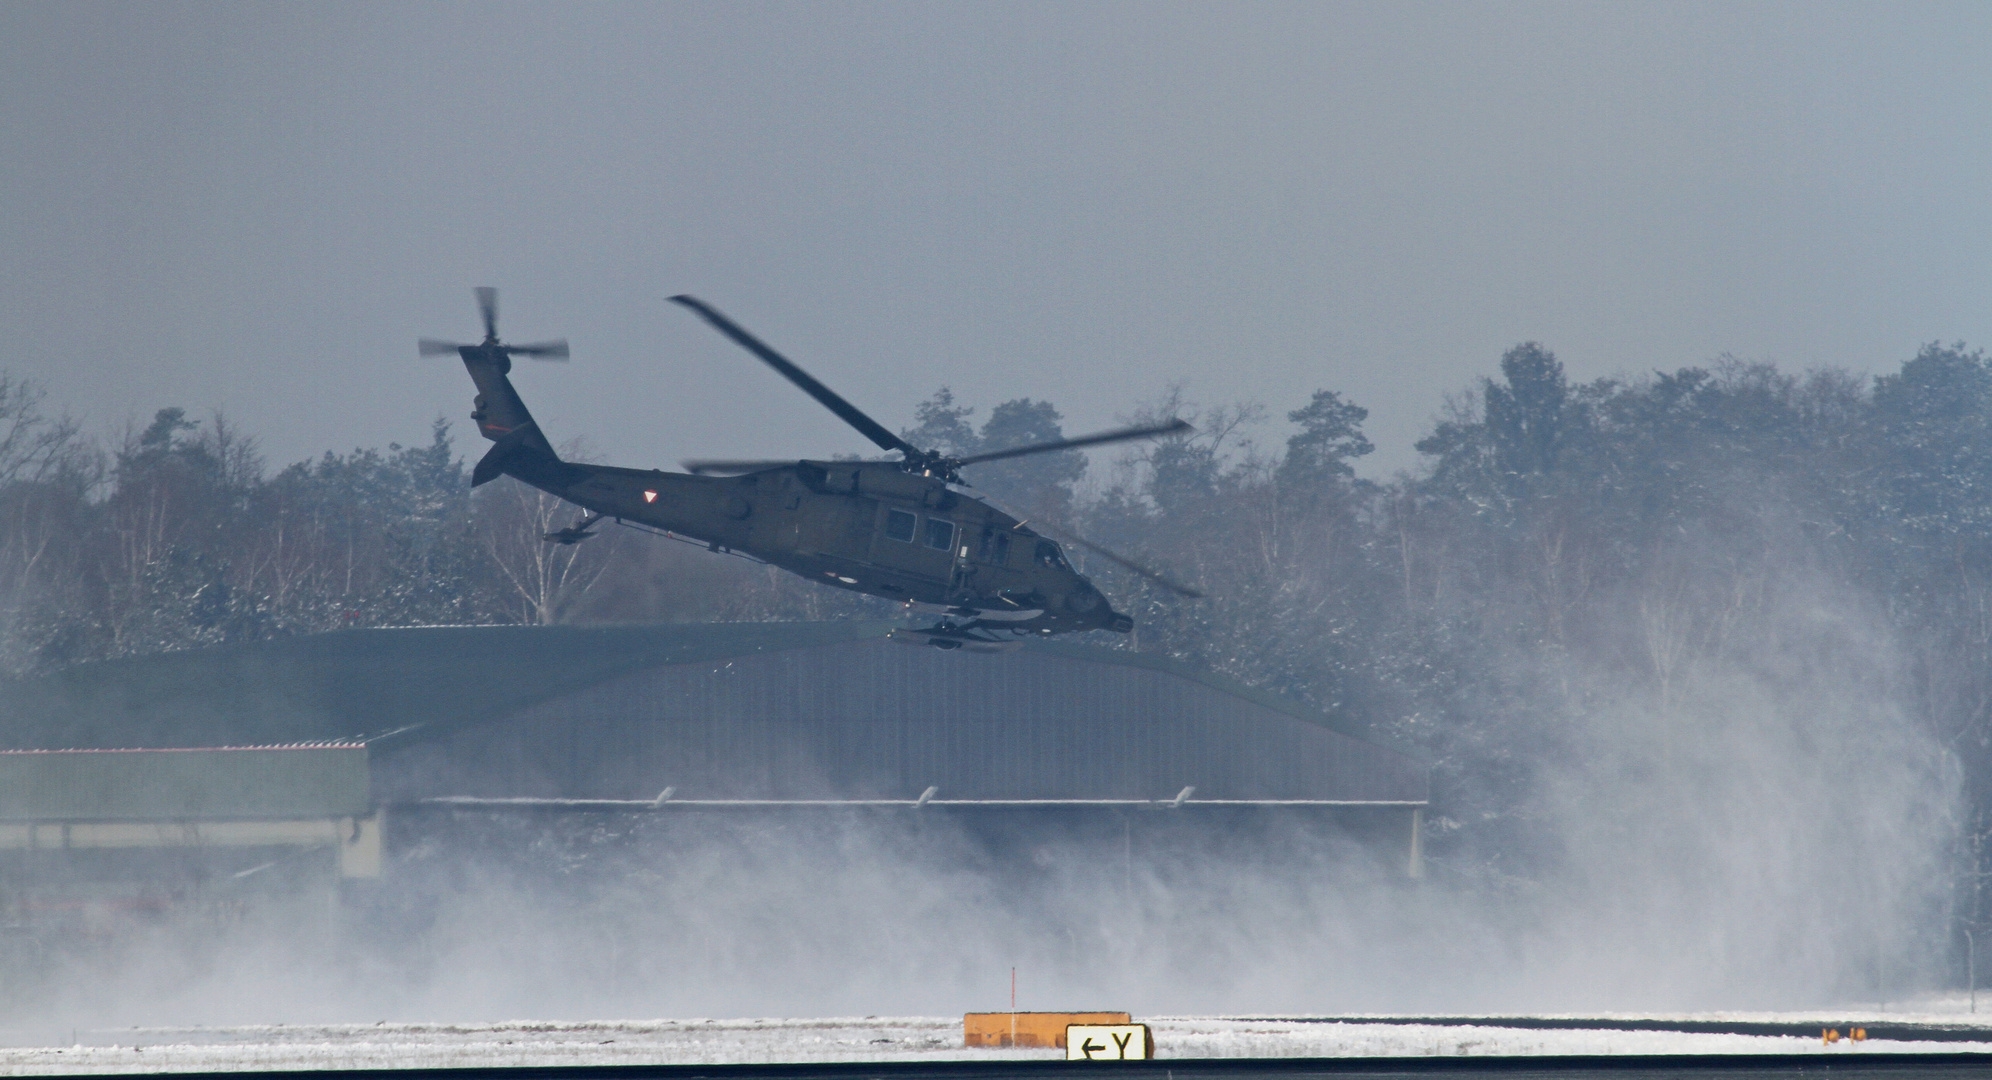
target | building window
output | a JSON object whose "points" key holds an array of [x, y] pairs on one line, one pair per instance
{"points": [[940, 533], [899, 526]]}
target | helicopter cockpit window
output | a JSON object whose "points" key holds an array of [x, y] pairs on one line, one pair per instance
{"points": [[1049, 555], [899, 526], [940, 533]]}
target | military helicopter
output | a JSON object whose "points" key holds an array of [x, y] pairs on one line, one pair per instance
{"points": [[905, 530]]}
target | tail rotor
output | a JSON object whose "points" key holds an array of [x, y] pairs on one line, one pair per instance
{"points": [[487, 308]]}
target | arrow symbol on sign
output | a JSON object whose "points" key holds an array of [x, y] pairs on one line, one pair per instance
{"points": [[1090, 1047]]}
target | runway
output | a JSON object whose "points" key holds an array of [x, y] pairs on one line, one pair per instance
{"points": [[1739, 1067], [887, 1048]]}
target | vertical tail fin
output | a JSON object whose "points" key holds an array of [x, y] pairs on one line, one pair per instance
{"points": [[500, 415]]}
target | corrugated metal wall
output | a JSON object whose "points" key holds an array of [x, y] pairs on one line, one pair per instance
{"points": [[184, 785], [878, 719]]}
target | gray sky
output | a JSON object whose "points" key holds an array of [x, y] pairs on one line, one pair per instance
{"points": [[260, 207]]}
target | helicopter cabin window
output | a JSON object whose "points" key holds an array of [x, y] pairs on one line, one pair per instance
{"points": [[1049, 555], [940, 533], [899, 526], [993, 547]]}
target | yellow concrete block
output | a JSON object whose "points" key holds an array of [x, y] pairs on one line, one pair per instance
{"points": [[1045, 1029]]}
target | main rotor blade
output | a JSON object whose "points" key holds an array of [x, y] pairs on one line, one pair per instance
{"points": [[487, 306], [545, 350], [432, 347], [1153, 575], [1057, 533], [707, 467], [847, 412], [1121, 435]]}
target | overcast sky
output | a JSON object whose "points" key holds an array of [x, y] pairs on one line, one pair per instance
{"points": [[258, 208]]}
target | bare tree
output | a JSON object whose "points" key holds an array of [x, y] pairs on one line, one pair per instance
{"points": [[542, 579], [48, 471], [34, 446]]}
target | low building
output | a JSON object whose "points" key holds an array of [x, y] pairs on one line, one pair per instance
{"points": [[95, 842], [314, 795], [307, 741]]}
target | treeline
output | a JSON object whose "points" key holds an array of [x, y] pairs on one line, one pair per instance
{"points": [[1696, 584], [1822, 538], [1706, 609], [177, 536]]}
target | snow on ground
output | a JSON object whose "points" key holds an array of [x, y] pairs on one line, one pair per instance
{"points": [[1194, 1037], [526, 1043]]}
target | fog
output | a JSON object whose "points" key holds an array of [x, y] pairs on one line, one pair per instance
{"points": [[1770, 834], [1713, 747]]}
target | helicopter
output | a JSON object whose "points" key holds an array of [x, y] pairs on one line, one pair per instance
{"points": [[907, 530]]}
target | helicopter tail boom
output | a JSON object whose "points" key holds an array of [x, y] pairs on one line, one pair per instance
{"points": [[519, 447], [518, 444]]}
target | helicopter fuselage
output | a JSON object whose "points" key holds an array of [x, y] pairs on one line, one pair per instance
{"points": [[865, 527], [871, 527]]}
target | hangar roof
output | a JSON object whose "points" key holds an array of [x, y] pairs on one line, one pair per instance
{"points": [[867, 720], [392, 687]]}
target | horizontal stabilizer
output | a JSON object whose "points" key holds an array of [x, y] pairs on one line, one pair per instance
{"points": [[492, 464]]}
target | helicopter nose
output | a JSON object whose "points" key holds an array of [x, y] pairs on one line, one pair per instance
{"points": [[1083, 599]]}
